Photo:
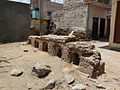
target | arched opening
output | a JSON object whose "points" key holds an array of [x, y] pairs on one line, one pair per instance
{"points": [[59, 51], [45, 47], [36, 44], [75, 59]]}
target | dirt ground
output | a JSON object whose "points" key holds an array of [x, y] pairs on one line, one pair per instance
{"points": [[112, 61], [12, 56]]}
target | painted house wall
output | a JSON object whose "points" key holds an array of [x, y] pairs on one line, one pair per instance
{"points": [[113, 19], [14, 21], [99, 12]]}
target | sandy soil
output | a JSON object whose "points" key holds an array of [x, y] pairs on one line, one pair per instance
{"points": [[112, 68], [12, 56]]}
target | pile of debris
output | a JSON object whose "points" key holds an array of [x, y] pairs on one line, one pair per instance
{"points": [[80, 34], [82, 54]]}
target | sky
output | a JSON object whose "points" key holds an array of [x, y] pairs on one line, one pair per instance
{"points": [[28, 1], [59, 1], [23, 1]]}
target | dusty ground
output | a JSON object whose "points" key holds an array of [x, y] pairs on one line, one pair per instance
{"points": [[112, 61], [12, 56]]}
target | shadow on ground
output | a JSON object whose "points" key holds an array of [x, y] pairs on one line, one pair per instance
{"points": [[108, 48]]}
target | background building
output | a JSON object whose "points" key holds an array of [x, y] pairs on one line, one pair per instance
{"points": [[14, 21], [115, 25], [41, 12], [92, 16], [99, 18]]}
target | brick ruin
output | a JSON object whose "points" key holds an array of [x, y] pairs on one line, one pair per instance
{"points": [[80, 53]]}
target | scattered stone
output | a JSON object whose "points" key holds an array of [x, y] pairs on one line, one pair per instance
{"points": [[79, 87], [93, 80], [51, 84], [52, 73], [29, 86], [101, 86], [69, 79], [24, 43], [35, 51], [16, 72], [25, 50], [41, 70]]}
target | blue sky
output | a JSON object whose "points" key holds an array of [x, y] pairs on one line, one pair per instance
{"points": [[59, 1], [27, 1], [24, 1]]}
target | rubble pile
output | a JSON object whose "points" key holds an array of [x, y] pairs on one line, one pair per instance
{"points": [[80, 35], [80, 53], [86, 57], [61, 31]]}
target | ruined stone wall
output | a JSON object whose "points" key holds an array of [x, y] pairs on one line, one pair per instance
{"points": [[82, 54], [74, 14]]}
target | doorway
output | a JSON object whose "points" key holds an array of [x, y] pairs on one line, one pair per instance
{"points": [[59, 51], [117, 25], [36, 44], [108, 29], [95, 28], [45, 47], [75, 59], [102, 28]]}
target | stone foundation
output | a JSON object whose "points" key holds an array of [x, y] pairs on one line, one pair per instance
{"points": [[82, 54]]}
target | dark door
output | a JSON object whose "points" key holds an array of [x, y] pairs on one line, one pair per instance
{"points": [[102, 27], [95, 28], [117, 24], [108, 29]]}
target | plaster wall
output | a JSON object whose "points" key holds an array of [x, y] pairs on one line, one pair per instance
{"points": [[99, 12], [111, 39]]}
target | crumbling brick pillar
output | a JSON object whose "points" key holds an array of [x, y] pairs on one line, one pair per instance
{"points": [[40, 45], [51, 48], [36, 43], [65, 54], [33, 42]]}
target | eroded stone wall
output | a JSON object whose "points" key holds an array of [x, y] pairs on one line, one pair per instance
{"points": [[74, 14]]}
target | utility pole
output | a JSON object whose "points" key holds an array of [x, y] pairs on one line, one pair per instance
{"points": [[41, 16]]}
